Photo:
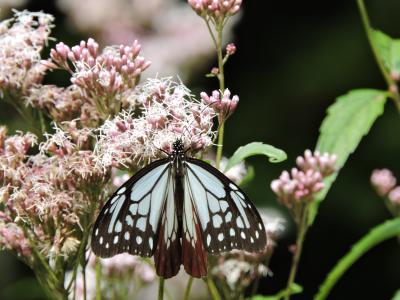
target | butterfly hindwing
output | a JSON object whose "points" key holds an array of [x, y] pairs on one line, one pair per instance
{"points": [[167, 255], [194, 257], [129, 221], [228, 218]]}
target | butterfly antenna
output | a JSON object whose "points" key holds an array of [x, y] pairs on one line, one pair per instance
{"points": [[160, 149]]}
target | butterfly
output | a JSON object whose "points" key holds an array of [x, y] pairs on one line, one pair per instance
{"points": [[178, 209]]}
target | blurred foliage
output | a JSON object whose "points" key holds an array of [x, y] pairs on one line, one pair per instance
{"points": [[293, 60]]}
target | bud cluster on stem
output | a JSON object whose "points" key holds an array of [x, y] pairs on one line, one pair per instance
{"points": [[384, 183], [300, 185], [104, 78]]}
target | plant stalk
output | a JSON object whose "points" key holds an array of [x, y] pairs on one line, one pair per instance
{"points": [[188, 288], [98, 279], [302, 230], [213, 289], [161, 289], [377, 235], [394, 93], [221, 79]]}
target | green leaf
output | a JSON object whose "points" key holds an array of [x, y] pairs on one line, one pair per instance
{"points": [[256, 148], [347, 121], [296, 289], [389, 50], [396, 296], [378, 234]]}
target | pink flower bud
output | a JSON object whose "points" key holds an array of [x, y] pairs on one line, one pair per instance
{"points": [[383, 181], [230, 49], [394, 196]]}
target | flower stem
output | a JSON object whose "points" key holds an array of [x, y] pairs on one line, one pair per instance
{"points": [[221, 79], [161, 289], [395, 96], [213, 289], [98, 279], [302, 230], [220, 144], [84, 281], [188, 288], [378, 234]]}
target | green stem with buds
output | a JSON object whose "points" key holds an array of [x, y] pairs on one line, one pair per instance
{"points": [[393, 89], [302, 230], [221, 79]]}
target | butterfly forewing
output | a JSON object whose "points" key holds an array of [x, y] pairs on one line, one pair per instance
{"points": [[228, 218], [129, 221]]}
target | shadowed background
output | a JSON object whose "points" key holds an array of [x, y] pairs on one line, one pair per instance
{"points": [[293, 60]]}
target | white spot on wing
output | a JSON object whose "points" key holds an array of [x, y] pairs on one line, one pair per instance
{"points": [[121, 190], [144, 205], [96, 232], [228, 217], [212, 201], [127, 235], [208, 240], [239, 222], [151, 243], [114, 199], [133, 208], [118, 226], [243, 235], [220, 237], [240, 194], [139, 240], [115, 213], [115, 239], [232, 232], [217, 221], [129, 220], [101, 240], [232, 186], [141, 223], [224, 205], [257, 234], [237, 201]]}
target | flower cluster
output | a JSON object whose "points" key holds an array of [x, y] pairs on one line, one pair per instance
{"points": [[223, 104], [166, 29], [384, 184], [301, 185], [103, 78], [121, 277], [63, 104], [168, 112], [21, 40], [215, 9], [239, 269], [43, 195]]}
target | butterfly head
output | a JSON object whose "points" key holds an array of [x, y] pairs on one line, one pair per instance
{"points": [[178, 146]]}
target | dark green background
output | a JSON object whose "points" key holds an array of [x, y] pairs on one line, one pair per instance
{"points": [[294, 58]]}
